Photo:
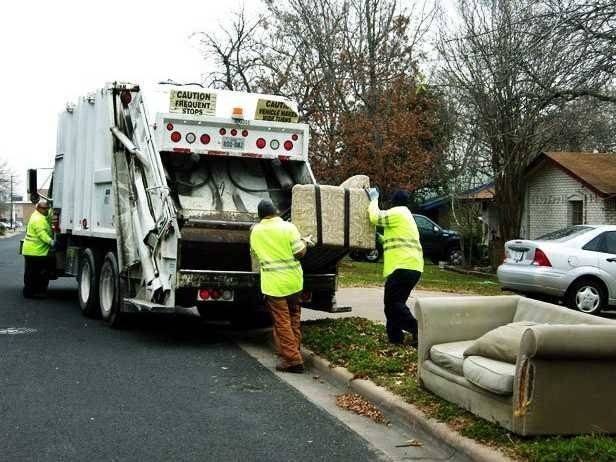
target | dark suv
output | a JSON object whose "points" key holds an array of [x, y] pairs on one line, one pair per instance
{"points": [[438, 244]]}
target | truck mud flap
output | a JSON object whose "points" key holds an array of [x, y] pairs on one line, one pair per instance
{"points": [[133, 305]]}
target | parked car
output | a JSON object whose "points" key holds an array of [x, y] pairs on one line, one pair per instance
{"points": [[438, 244], [575, 264]]}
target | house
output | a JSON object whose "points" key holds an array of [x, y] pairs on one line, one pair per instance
{"points": [[569, 188]]}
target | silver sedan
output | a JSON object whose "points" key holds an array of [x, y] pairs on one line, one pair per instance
{"points": [[575, 264]]}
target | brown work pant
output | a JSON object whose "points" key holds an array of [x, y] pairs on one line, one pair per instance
{"points": [[286, 313]]}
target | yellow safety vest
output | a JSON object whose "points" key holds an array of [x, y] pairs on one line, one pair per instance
{"points": [[274, 242], [401, 245], [38, 236]]}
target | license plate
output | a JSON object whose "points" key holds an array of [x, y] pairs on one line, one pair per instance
{"points": [[517, 255], [232, 143]]}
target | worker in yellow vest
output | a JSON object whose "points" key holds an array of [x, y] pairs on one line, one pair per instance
{"points": [[278, 246], [403, 262], [36, 247]]}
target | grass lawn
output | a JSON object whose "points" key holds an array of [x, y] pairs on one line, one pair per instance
{"points": [[364, 274], [361, 346]]}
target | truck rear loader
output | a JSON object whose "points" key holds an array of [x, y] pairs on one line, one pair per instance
{"points": [[154, 194]]}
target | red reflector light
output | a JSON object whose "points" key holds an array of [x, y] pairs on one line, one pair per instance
{"points": [[205, 138], [294, 136], [215, 294], [169, 126], [222, 132], [288, 145], [541, 258], [126, 97], [176, 136], [244, 133], [233, 132], [204, 294], [261, 143]]}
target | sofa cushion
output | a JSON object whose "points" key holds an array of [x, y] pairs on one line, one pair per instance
{"points": [[450, 356], [491, 375], [501, 344]]}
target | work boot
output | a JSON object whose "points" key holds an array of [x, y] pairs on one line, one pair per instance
{"points": [[295, 369]]}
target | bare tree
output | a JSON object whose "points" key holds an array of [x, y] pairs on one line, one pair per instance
{"points": [[589, 25], [508, 67], [236, 53], [5, 188], [334, 57]]}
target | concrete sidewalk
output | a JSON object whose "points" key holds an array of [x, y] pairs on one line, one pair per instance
{"points": [[367, 302]]}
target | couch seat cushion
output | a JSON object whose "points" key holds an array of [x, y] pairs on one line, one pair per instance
{"points": [[489, 374], [450, 356]]}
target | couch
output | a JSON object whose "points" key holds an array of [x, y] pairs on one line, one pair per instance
{"points": [[564, 378]]}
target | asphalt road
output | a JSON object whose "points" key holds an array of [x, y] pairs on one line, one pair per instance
{"points": [[169, 389]]}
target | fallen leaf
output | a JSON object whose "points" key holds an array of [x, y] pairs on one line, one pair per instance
{"points": [[355, 403]]}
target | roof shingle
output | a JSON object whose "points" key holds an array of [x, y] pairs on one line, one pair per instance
{"points": [[595, 170]]}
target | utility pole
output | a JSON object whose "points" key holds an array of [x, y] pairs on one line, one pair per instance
{"points": [[11, 199]]}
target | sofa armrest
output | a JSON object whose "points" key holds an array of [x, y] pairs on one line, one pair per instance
{"points": [[563, 396], [574, 341], [453, 319]]}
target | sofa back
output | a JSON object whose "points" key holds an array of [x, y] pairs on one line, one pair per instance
{"points": [[547, 313]]}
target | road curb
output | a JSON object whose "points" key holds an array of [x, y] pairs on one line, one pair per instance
{"points": [[393, 404]]}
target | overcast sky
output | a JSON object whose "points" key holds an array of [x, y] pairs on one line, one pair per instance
{"points": [[53, 51]]}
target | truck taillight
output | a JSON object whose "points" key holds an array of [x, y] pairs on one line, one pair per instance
{"points": [[204, 294], [126, 97], [288, 145], [261, 143], [294, 136], [169, 126], [210, 295], [233, 132], [205, 138], [55, 222], [176, 136], [244, 133]]}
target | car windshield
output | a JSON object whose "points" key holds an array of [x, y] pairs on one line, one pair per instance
{"points": [[565, 234]]}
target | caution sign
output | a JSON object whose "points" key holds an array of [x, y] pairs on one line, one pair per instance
{"points": [[192, 102], [275, 111]]}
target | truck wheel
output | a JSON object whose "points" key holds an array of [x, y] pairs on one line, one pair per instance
{"points": [[110, 291], [88, 282]]}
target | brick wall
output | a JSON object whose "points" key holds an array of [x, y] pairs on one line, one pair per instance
{"points": [[547, 203]]}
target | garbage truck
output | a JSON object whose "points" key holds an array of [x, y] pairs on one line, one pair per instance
{"points": [[154, 192]]}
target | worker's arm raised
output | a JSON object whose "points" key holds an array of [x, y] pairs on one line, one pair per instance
{"points": [[381, 217]]}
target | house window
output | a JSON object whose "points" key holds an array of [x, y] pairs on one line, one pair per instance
{"points": [[576, 213]]}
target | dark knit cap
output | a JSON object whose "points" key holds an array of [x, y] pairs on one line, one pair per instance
{"points": [[266, 208], [400, 197]]}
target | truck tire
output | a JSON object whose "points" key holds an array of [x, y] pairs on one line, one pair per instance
{"points": [[110, 292], [89, 267]]}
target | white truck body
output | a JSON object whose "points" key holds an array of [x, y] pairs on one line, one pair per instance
{"points": [[168, 180]]}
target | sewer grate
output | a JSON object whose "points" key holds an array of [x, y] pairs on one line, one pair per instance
{"points": [[17, 331]]}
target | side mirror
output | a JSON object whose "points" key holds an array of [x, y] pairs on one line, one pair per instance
{"points": [[436, 229], [33, 185]]}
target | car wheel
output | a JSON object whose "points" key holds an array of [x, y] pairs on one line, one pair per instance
{"points": [[110, 292], [587, 296], [372, 256], [88, 282], [455, 257]]}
